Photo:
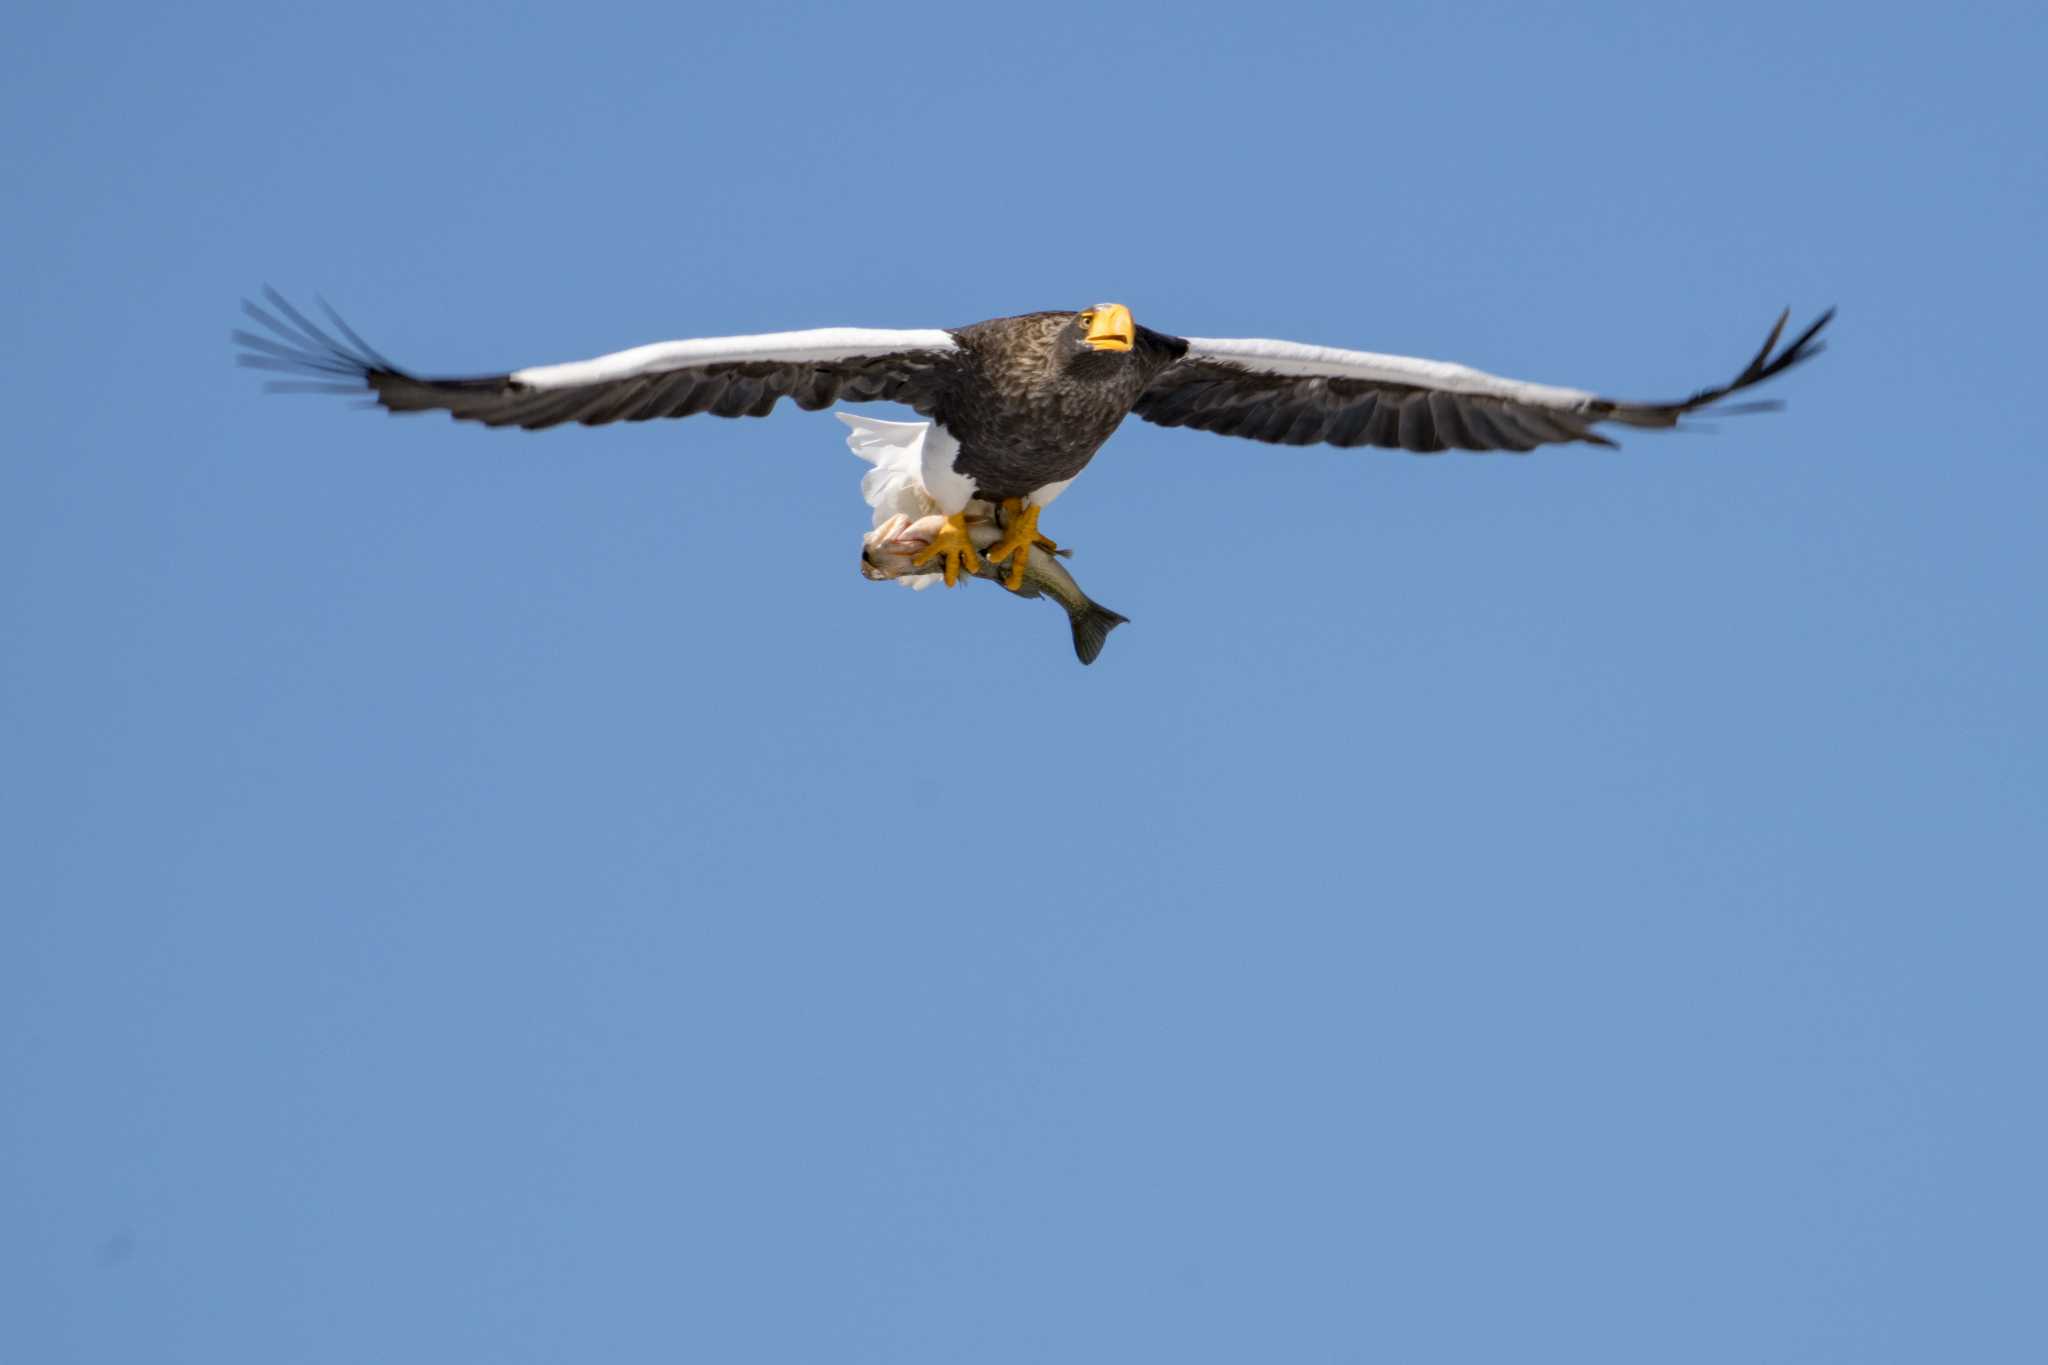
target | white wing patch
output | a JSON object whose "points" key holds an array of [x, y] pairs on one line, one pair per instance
{"points": [[1293, 357], [820, 343]]}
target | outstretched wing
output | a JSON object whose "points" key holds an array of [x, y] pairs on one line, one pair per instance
{"points": [[727, 376], [1291, 394]]}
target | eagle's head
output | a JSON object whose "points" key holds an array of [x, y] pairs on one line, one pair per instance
{"points": [[1094, 337]]}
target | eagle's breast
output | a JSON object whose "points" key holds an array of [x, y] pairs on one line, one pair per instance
{"points": [[1025, 414]]}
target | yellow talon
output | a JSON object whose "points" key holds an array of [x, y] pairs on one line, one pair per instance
{"points": [[952, 549], [1020, 533]]}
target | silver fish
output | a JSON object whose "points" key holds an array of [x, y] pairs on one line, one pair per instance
{"points": [[887, 550]]}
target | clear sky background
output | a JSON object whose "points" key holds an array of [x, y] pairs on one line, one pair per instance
{"points": [[478, 896]]}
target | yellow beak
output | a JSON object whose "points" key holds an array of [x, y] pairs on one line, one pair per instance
{"points": [[1112, 329]]}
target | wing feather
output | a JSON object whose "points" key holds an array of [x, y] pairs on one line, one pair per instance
{"points": [[743, 376], [1284, 392]]}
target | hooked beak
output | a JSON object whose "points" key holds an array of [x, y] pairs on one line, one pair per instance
{"points": [[1111, 329]]}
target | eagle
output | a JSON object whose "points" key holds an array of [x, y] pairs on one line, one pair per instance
{"points": [[1019, 405]]}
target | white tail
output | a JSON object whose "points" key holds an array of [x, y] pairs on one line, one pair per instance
{"points": [[913, 474], [913, 467]]}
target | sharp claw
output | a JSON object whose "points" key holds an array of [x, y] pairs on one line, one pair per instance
{"points": [[1019, 536], [952, 549]]}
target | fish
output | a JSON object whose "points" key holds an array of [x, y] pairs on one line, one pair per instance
{"points": [[887, 550]]}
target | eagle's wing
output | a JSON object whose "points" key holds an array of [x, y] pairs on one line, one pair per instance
{"points": [[729, 376], [1291, 394]]}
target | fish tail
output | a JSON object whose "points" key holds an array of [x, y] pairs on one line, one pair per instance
{"points": [[1092, 625]]}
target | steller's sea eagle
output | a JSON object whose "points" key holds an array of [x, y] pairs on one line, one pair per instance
{"points": [[1019, 404]]}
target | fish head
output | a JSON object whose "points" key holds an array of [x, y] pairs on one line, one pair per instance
{"points": [[887, 551]]}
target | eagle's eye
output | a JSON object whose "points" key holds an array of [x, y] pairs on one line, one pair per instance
{"points": [[1086, 319]]}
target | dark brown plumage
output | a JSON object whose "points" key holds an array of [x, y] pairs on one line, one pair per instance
{"points": [[1031, 403], [1232, 399], [297, 345], [1030, 398]]}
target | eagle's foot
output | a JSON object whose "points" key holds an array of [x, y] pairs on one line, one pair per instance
{"points": [[953, 550], [1020, 533]]}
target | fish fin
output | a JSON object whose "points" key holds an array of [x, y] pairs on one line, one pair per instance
{"points": [[1091, 628]]}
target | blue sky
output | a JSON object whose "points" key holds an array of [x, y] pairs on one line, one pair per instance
{"points": [[484, 896]]}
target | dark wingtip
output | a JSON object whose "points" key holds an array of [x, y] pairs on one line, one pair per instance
{"points": [[1807, 344], [1770, 342], [362, 347], [1769, 362], [292, 343]]}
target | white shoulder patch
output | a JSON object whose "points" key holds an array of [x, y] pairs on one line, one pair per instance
{"points": [[1295, 358], [821, 343]]}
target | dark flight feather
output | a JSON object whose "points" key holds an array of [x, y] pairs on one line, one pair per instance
{"points": [[1236, 398], [297, 345]]}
